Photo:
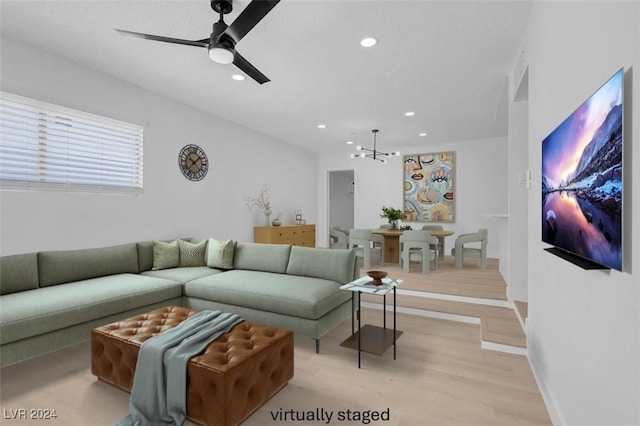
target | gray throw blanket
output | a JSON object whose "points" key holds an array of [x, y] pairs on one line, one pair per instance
{"points": [[158, 395]]}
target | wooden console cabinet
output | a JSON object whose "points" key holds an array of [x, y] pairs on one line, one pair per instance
{"points": [[297, 235]]}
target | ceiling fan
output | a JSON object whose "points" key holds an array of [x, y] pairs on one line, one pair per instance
{"points": [[221, 44]]}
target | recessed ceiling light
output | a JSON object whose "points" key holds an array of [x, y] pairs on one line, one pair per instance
{"points": [[410, 113], [238, 77], [422, 134], [349, 142], [322, 126], [368, 42]]}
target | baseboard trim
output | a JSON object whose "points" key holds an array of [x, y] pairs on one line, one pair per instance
{"points": [[500, 347], [545, 391]]}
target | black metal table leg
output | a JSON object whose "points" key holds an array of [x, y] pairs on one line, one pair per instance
{"points": [[384, 311], [359, 329], [394, 323], [353, 306]]}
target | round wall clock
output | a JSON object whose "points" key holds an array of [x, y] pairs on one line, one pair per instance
{"points": [[193, 162]]}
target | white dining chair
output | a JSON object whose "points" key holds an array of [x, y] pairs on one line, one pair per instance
{"points": [[420, 246], [440, 240], [475, 239], [362, 241], [338, 237]]}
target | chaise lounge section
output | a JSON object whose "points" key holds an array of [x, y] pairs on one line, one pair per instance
{"points": [[53, 299]]}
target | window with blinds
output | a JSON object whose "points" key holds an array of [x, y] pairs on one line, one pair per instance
{"points": [[45, 146]]}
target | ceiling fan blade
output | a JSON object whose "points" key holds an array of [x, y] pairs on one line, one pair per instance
{"points": [[197, 43], [249, 17], [244, 65]]}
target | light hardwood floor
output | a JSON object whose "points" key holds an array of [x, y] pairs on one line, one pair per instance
{"points": [[441, 376], [467, 293]]}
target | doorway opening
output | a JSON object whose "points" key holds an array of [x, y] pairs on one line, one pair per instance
{"points": [[340, 198]]}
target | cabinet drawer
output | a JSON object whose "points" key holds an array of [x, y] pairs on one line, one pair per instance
{"points": [[283, 234], [299, 235]]}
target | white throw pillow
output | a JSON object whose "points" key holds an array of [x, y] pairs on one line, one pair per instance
{"points": [[220, 254]]}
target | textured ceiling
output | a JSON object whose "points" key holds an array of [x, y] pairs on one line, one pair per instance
{"points": [[446, 60]]}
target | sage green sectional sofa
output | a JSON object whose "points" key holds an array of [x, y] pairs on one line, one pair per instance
{"points": [[52, 299]]}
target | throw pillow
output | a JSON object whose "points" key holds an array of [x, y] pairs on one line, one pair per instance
{"points": [[192, 254], [220, 254], [165, 255]]}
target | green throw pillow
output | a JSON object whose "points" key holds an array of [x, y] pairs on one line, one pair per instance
{"points": [[192, 254], [165, 255], [220, 254]]}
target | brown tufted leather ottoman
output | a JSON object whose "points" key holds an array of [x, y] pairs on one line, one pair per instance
{"points": [[234, 376]]}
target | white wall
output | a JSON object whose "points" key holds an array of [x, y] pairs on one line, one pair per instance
{"points": [[517, 256], [481, 186], [241, 161], [584, 326]]}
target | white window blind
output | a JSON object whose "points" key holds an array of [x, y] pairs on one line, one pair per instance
{"points": [[45, 146]]}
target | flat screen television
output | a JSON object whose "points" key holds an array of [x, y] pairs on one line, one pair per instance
{"points": [[582, 180]]}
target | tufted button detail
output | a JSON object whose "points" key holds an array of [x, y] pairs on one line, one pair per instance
{"points": [[234, 376]]}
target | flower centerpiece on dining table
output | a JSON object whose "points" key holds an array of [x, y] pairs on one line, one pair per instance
{"points": [[393, 215]]}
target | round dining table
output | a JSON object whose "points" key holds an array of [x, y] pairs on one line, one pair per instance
{"points": [[392, 242]]}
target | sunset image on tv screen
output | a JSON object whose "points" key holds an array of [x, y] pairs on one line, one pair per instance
{"points": [[582, 179]]}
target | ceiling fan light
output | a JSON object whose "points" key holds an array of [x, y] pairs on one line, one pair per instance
{"points": [[220, 54]]}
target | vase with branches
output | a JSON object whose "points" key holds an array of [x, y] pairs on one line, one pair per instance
{"points": [[261, 202]]}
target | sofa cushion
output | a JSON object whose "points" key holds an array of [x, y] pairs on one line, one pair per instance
{"points": [[182, 275], [285, 294], [18, 272], [165, 255], [145, 254], [330, 264], [56, 267], [192, 254], [220, 253], [34, 312], [262, 257]]}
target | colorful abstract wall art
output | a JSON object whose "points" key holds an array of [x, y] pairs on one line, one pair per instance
{"points": [[429, 187]]}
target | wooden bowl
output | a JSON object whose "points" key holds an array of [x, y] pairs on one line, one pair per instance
{"points": [[377, 276]]}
